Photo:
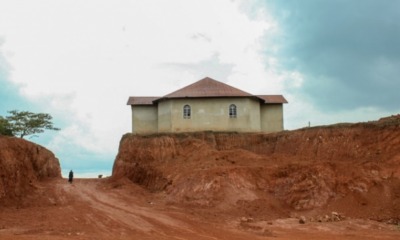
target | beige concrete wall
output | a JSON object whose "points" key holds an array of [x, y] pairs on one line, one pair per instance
{"points": [[144, 119], [164, 116], [209, 114], [271, 117]]}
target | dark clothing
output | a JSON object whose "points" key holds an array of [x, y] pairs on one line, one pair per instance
{"points": [[70, 176]]}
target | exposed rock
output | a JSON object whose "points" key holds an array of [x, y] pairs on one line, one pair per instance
{"points": [[246, 219], [302, 220], [335, 217]]}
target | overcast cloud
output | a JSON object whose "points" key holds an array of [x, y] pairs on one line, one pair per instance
{"points": [[348, 52], [81, 60], [334, 61]]}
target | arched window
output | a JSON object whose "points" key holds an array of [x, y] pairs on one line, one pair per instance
{"points": [[232, 111], [186, 112]]}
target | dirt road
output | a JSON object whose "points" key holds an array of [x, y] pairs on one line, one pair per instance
{"points": [[101, 209]]}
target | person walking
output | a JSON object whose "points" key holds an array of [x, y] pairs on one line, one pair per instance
{"points": [[70, 176]]}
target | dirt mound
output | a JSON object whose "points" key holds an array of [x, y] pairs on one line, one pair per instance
{"points": [[213, 186], [353, 169], [103, 209], [22, 165]]}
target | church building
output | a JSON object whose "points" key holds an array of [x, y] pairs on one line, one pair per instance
{"points": [[207, 105]]}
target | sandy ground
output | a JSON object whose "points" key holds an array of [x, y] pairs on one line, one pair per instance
{"points": [[101, 209]]}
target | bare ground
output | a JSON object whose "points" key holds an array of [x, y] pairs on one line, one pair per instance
{"points": [[104, 209], [213, 186]]}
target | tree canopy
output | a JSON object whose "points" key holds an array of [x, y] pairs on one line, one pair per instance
{"points": [[24, 123], [5, 127]]}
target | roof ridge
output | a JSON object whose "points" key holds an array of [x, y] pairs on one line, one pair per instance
{"points": [[208, 87]]}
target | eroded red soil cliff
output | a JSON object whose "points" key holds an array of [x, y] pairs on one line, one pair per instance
{"points": [[22, 165], [213, 186], [353, 169]]}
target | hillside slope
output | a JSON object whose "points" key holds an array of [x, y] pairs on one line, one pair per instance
{"points": [[22, 165], [213, 186], [353, 169]]}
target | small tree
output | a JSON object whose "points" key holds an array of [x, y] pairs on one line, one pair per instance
{"points": [[5, 127], [26, 123]]}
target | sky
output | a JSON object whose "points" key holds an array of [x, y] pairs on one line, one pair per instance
{"points": [[334, 61]]}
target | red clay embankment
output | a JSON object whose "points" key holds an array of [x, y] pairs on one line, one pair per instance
{"points": [[353, 169], [22, 165]]}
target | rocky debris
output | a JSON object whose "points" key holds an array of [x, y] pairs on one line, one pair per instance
{"points": [[322, 218], [247, 219], [394, 221], [335, 217]]}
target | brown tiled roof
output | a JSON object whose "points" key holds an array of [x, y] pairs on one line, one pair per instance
{"points": [[141, 100], [208, 87], [273, 98]]}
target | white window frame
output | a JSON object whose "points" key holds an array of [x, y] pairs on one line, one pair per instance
{"points": [[232, 111], [187, 112]]}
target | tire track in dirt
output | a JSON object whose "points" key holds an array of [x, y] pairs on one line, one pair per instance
{"points": [[114, 212]]}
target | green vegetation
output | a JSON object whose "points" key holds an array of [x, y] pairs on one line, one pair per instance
{"points": [[5, 127], [24, 123]]}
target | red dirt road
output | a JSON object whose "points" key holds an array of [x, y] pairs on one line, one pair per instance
{"points": [[101, 209]]}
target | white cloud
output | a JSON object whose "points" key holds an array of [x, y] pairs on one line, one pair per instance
{"points": [[82, 59]]}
